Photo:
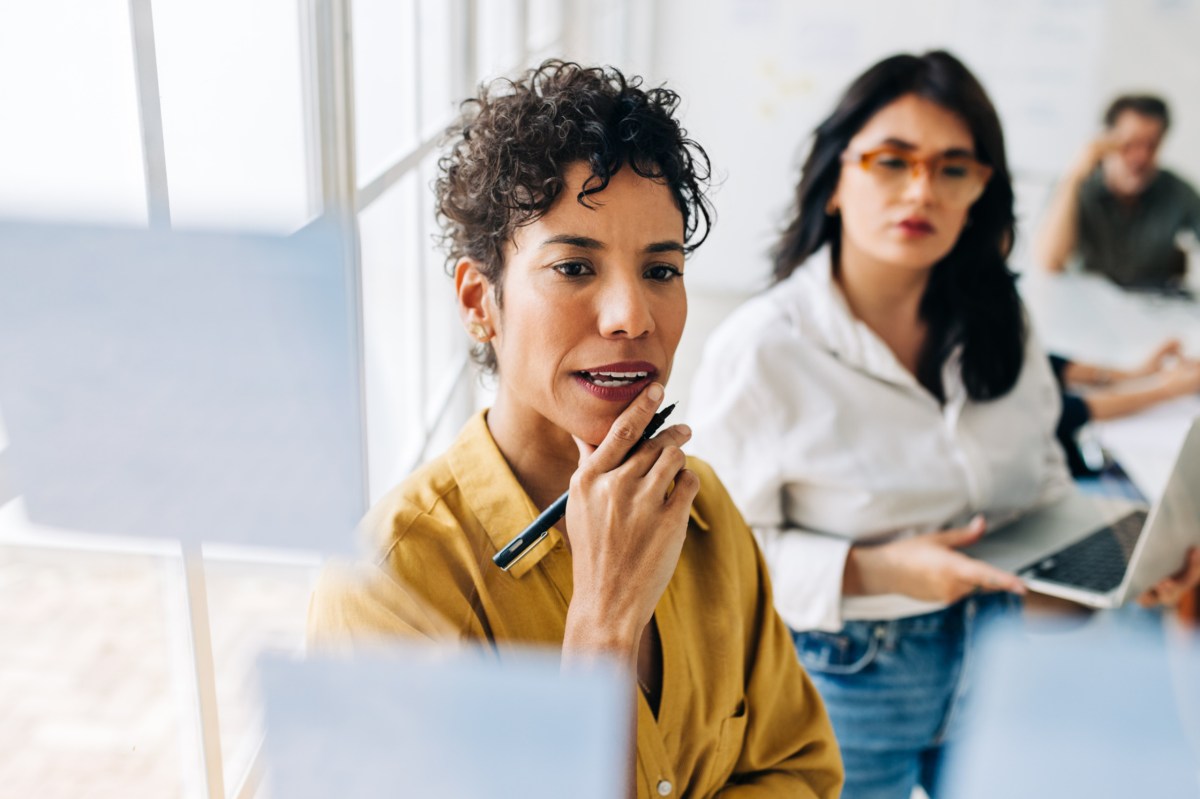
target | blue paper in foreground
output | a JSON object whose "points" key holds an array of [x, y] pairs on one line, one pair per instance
{"points": [[1110, 710], [201, 387], [422, 723]]}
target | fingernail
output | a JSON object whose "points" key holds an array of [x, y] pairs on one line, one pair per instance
{"points": [[684, 429], [655, 392]]}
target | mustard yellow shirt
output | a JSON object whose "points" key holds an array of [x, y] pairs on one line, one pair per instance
{"points": [[737, 715]]}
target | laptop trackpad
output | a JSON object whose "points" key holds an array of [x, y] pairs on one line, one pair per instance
{"points": [[1037, 534]]}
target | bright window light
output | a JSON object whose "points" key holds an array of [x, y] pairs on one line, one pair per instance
{"points": [[385, 88], [70, 144], [230, 77]]}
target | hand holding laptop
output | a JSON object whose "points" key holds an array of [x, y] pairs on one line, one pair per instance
{"points": [[928, 567], [1105, 552], [1170, 590]]}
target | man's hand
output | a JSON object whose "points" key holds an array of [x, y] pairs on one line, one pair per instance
{"points": [[1090, 156]]}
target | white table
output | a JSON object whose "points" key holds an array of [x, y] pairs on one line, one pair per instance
{"points": [[1088, 318]]}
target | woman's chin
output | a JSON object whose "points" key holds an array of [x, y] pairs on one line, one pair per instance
{"points": [[593, 431]]}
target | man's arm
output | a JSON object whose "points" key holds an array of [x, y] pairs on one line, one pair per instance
{"points": [[1060, 229]]}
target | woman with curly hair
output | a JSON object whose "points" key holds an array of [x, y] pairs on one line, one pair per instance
{"points": [[568, 201]]}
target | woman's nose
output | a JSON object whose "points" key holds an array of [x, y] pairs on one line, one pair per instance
{"points": [[920, 184], [625, 310]]}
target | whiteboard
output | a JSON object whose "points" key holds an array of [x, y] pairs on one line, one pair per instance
{"points": [[757, 76]]}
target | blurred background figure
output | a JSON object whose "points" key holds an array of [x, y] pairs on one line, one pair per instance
{"points": [[1095, 393], [879, 401], [1117, 209]]}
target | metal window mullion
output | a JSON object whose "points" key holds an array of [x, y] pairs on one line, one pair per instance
{"points": [[523, 50], [311, 100], [417, 56], [154, 152], [470, 33], [392, 175], [422, 313], [335, 91]]}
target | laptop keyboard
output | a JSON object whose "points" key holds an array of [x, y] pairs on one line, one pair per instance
{"points": [[1098, 562]]}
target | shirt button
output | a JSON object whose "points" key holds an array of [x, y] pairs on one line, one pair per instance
{"points": [[664, 787]]}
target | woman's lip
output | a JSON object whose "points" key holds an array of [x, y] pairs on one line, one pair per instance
{"points": [[623, 366], [915, 226], [623, 393]]}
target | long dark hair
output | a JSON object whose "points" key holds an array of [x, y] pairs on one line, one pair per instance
{"points": [[971, 298]]}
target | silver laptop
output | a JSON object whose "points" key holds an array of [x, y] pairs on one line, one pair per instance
{"points": [[1103, 552]]}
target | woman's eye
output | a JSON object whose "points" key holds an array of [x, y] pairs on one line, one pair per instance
{"points": [[955, 170], [663, 273], [892, 163], [573, 269]]}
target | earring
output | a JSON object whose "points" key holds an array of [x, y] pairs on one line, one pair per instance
{"points": [[479, 332]]}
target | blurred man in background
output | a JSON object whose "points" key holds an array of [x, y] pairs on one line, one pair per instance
{"points": [[1117, 209]]}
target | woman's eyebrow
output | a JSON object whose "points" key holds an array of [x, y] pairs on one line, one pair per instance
{"points": [[901, 144], [588, 243], [583, 242]]}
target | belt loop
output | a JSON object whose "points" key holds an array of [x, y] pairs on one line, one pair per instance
{"points": [[885, 633]]}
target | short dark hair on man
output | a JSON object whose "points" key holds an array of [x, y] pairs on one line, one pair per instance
{"points": [[511, 148], [1148, 105]]}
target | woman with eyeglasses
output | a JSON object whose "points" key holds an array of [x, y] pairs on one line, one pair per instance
{"points": [[881, 404]]}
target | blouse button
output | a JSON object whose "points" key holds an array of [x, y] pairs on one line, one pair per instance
{"points": [[664, 787]]}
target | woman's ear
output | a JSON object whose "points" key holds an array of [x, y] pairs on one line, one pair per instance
{"points": [[476, 303], [831, 205]]}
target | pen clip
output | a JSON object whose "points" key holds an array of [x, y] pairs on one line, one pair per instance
{"points": [[517, 548]]}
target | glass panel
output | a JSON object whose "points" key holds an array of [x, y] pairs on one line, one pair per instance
{"points": [[498, 38], [72, 139], [254, 609], [88, 680], [545, 24], [385, 91], [230, 77], [439, 54], [392, 333], [445, 342]]}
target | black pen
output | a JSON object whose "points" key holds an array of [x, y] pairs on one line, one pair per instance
{"points": [[540, 527]]}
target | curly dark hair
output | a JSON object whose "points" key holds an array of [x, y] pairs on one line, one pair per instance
{"points": [[514, 141], [971, 298]]}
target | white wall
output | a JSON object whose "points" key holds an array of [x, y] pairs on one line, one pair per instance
{"points": [[758, 75]]}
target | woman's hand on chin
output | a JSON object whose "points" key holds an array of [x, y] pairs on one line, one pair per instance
{"points": [[927, 567], [626, 526]]}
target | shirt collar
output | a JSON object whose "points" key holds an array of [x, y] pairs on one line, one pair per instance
{"points": [[824, 315], [818, 308], [491, 491]]}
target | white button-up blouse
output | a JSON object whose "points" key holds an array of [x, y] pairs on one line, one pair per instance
{"points": [[824, 439]]}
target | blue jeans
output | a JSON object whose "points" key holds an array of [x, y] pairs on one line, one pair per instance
{"points": [[895, 691]]}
